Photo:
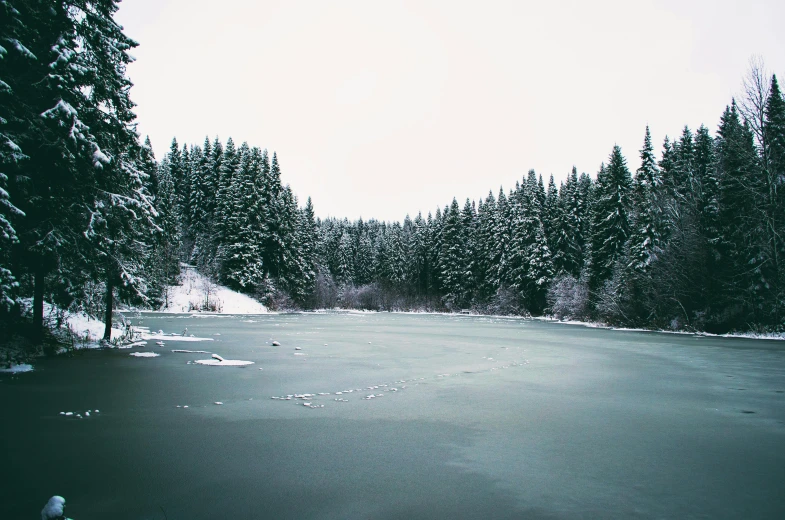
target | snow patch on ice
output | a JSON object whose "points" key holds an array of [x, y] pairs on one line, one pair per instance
{"points": [[144, 354], [170, 337], [17, 369], [223, 363]]}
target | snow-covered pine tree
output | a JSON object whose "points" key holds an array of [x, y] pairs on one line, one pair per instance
{"points": [[469, 239], [774, 160], [363, 267], [486, 214], [121, 215], [611, 223], [551, 213], [165, 258], [740, 196], [451, 257], [306, 237], [567, 253], [14, 59], [499, 275], [204, 217], [645, 236], [149, 167], [239, 254], [224, 195]]}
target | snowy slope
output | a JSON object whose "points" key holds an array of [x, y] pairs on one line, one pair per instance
{"points": [[197, 293], [89, 329]]}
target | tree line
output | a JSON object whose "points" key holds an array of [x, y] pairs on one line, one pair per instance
{"points": [[88, 217]]}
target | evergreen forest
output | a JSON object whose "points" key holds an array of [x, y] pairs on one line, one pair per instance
{"points": [[91, 219]]}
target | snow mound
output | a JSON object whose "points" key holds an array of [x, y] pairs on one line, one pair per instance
{"points": [[223, 362], [144, 354], [17, 369], [197, 293]]}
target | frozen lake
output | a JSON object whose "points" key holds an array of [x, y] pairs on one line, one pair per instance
{"points": [[490, 418]]}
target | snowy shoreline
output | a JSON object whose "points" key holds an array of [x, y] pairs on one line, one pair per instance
{"points": [[589, 324]]}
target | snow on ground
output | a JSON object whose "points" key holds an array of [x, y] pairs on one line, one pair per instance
{"points": [[17, 369], [197, 293], [85, 326], [89, 331]]}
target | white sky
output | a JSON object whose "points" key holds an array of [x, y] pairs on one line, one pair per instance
{"points": [[383, 108]]}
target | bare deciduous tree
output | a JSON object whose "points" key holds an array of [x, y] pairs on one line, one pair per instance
{"points": [[752, 102]]}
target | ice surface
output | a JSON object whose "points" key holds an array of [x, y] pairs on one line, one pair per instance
{"points": [[144, 354]]}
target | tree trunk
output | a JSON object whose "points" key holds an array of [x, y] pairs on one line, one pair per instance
{"points": [[38, 304], [109, 304]]}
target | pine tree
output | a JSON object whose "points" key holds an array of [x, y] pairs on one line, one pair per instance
{"points": [[149, 167], [13, 58], [469, 265], [774, 159], [740, 195], [645, 233], [567, 253], [611, 223], [451, 257]]}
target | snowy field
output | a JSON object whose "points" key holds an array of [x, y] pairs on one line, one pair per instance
{"points": [[378, 415]]}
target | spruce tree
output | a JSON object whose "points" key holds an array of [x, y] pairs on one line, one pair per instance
{"points": [[774, 159], [645, 233], [611, 223], [740, 196], [451, 257]]}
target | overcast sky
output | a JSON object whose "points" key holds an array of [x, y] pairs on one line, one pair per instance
{"points": [[383, 108]]}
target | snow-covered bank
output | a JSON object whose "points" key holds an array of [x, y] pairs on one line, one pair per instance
{"points": [[197, 293], [598, 325], [589, 324], [88, 331]]}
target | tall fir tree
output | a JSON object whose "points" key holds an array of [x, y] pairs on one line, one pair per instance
{"points": [[611, 222]]}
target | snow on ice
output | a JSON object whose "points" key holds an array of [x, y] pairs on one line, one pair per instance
{"points": [[17, 369]]}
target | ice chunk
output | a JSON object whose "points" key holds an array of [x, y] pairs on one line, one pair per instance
{"points": [[17, 369], [53, 508]]}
